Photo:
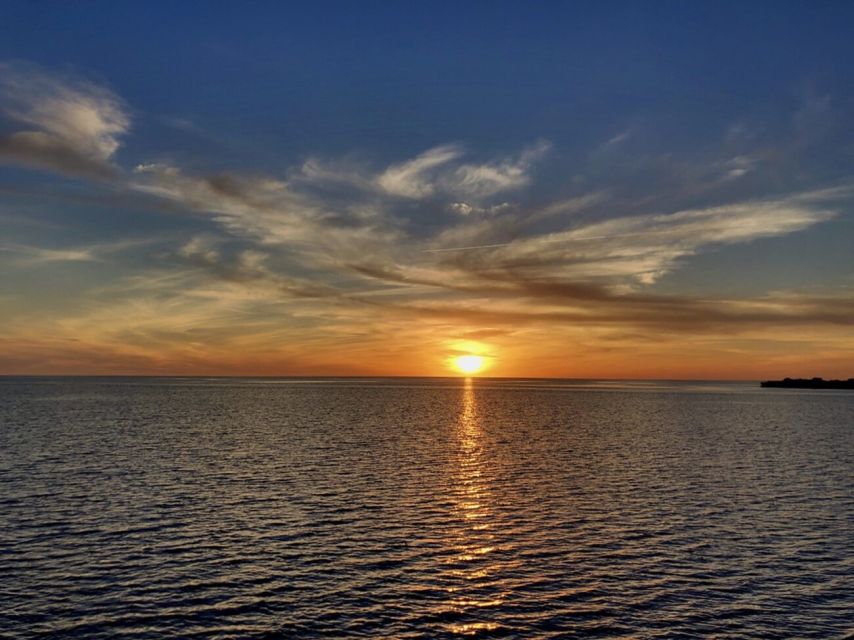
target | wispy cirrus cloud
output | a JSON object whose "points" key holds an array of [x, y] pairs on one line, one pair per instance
{"points": [[437, 171], [478, 181], [272, 212], [249, 267], [643, 248], [501, 254], [417, 178], [29, 255], [25, 255], [71, 126]]}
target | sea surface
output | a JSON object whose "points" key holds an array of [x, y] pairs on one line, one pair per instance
{"points": [[423, 508]]}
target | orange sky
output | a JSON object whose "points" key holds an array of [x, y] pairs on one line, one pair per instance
{"points": [[426, 348]]}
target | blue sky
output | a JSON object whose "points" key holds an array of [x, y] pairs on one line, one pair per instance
{"points": [[375, 187]]}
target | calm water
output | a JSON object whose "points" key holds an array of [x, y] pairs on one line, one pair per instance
{"points": [[237, 508]]}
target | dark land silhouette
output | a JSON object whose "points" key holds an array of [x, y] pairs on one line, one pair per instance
{"points": [[809, 383]]}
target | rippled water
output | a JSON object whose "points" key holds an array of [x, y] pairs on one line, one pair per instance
{"points": [[220, 508]]}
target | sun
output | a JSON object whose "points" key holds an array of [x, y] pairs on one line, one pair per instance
{"points": [[468, 364]]}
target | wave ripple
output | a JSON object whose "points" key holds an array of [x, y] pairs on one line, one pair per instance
{"points": [[217, 508]]}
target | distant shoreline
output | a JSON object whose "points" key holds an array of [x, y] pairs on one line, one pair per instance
{"points": [[809, 383]]}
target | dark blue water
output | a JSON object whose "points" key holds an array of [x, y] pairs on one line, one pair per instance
{"points": [[238, 508]]}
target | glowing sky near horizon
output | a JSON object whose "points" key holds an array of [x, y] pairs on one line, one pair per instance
{"points": [[566, 190]]}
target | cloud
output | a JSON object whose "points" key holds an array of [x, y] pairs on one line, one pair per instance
{"points": [[478, 181], [466, 209], [75, 126], [29, 256], [436, 172], [496, 258], [248, 267], [201, 247], [617, 139], [413, 179], [264, 207], [318, 235], [738, 166], [640, 248], [641, 312]]}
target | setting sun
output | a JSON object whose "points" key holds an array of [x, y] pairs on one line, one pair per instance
{"points": [[468, 364]]}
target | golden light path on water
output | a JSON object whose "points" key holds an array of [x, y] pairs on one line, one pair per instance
{"points": [[473, 585]]}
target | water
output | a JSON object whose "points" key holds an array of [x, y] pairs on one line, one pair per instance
{"points": [[239, 508]]}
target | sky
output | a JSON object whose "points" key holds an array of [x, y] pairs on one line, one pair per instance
{"points": [[574, 189]]}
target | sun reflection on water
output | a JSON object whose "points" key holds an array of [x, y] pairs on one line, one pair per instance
{"points": [[473, 591]]}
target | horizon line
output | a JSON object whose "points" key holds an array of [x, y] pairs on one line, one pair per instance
{"points": [[365, 377]]}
